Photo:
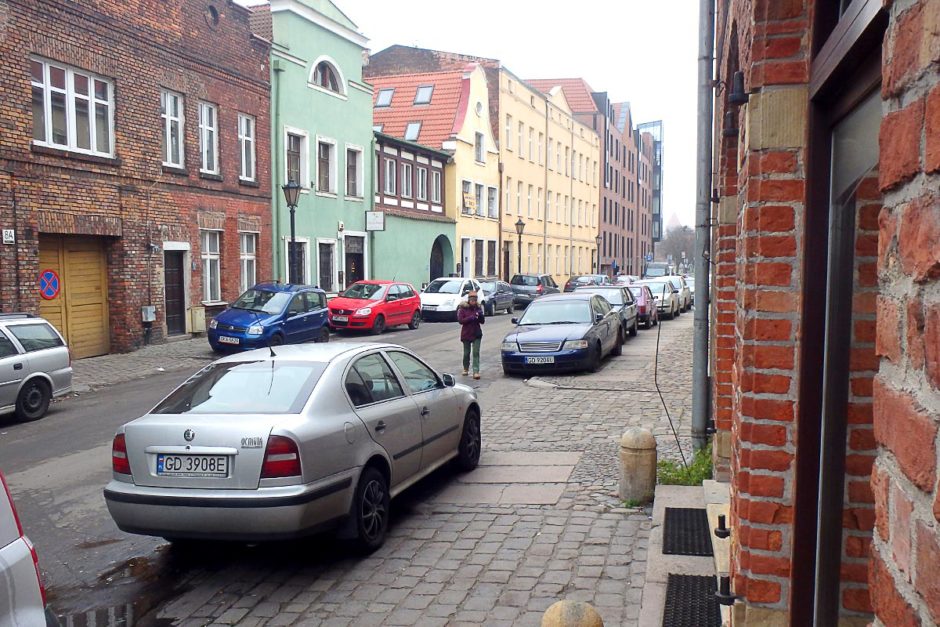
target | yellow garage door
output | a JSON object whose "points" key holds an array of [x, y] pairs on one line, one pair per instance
{"points": [[80, 311]]}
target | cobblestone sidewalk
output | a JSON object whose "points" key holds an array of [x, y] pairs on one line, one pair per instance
{"points": [[97, 372], [464, 563]]}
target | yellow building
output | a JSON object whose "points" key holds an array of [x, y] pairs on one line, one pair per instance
{"points": [[550, 182], [449, 111]]}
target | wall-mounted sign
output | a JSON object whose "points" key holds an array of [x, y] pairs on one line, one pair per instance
{"points": [[49, 284], [8, 236], [375, 220]]}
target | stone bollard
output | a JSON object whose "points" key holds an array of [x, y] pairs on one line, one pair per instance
{"points": [[571, 614], [637, 465]]}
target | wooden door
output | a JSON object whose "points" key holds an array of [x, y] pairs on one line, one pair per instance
{"points": [[174, 292]]}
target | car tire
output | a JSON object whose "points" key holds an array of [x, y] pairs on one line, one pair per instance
{"points": [[489, 309], [635, 328], [511, 309], [378, 327], [415, 321], [471, 442], [324, 336], [32, 402], [595, 362], [276, 340], [617, 350], [370, 510]]}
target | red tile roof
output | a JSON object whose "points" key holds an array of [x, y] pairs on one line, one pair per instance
{"points": [[260, 21], [577, 92], [439, 120]]}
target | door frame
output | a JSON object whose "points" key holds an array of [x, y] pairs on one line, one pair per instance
{"points": [[365, 255], [186, 249]]}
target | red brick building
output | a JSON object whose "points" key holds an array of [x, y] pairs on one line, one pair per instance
{"points": [[826, 308], [133, 164]]}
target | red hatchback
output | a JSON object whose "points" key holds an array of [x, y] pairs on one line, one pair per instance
{"points": [[646, 311], [374, 306]]}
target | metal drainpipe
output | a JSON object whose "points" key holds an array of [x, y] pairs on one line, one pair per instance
{"points": [[700, 409], [276, 166], [544, 259], [570, 165]]}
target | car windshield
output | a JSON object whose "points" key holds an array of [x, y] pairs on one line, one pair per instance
{"points": [[557, 312], [488, 286], [254, 387], [444, 286], [262, 300], [365, 291], [521, 279], [659, 287]]}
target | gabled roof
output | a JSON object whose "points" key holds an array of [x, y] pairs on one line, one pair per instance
{"points": [[440, 119], [577, 92]]}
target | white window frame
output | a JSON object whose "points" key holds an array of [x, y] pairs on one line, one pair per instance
{"points": [[508, 203], [360, 171], [168, 120], [331, 175], [531, 144], [304, 155], [247, 144], [246, 257], [548, 154], [508, 132], [422, 191], [541, 145], [529, 202], [479, 196], [70, 116], [207, 258], [407, 180], [466, 187], [548, 205], [492, 202], [479, 147], [436, 186], [340, 77], [208, 137], [521, 137], [391, 176]]}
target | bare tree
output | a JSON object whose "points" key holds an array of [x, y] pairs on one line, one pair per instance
{"points": [[678, 240]]}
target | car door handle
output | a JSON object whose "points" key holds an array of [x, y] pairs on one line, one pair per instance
{"points": [[17, 366], [425, 411], [380, 426]]}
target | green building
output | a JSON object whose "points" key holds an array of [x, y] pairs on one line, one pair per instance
{"points": [[321, 122]]}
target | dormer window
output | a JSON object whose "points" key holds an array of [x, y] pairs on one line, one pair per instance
{"points": [[325, 76], [423, 95], [384, 98]]}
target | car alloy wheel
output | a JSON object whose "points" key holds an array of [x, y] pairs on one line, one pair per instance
{"points": [[468, 452], [378, 327], [33, 401], [415, 320], [371, 509]]}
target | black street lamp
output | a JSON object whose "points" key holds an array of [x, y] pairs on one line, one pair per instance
{"points": [[520, 227], [598, 239], [291, 195]]}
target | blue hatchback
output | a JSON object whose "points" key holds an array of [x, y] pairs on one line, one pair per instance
{"points": [[270, 314], [572, 331]]}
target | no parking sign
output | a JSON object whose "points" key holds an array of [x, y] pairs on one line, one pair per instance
{"points": [[49, 284]]}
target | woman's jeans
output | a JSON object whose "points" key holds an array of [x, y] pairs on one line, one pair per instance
{"points": [[475, 344]]}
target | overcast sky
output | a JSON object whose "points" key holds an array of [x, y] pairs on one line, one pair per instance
{"points": [[641, 51]]}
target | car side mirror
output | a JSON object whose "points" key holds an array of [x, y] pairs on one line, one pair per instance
{"points": [[598, 317], [675, 291], [449, 380], [515, 321]]}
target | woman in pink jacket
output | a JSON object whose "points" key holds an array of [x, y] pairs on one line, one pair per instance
{"points": [[470, 316]]}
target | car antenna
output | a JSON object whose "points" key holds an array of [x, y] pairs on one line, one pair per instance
{"points": [[271, 348]]}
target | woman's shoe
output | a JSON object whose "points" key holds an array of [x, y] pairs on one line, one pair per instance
{"points": [[465, 373], [476, 375]]}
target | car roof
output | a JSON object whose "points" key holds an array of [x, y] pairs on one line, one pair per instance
{"points": [[324, 352], [598, 288], [565, 296], [284, 287], [376, 282]]}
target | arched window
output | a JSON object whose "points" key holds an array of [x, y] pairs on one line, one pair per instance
{"points": [[324, 75]]}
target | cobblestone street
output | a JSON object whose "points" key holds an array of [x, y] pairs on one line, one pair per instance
{"points": [[496, 546]]}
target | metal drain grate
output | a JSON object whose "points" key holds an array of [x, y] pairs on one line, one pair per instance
{"points": [[691, 602], [686, 532]]}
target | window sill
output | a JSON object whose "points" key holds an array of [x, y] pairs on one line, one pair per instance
{"points": [[248, 183], [355, 198], [174, 169], [326, 194], [210, 176], [214, 303], [78, 156]]}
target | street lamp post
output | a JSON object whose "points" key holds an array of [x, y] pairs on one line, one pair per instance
{"points": [[598, 239], [291, 195], [520, 227]]}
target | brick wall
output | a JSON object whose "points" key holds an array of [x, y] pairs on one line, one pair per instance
{"points": [[905, 577], [200, 48]]}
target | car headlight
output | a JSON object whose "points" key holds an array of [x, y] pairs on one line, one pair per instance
{"points": [[365, 311], [255, 329], [213, 323], [576, 344], [509, 346]]}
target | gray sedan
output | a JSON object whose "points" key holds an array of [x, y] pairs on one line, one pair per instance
{"points": [[284, 442]]}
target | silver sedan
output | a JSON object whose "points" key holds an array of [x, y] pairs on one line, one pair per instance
{"points": [[284, 442]]}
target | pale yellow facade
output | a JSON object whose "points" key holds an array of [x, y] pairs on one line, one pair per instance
{"points": [[550, 180], [472, 183]]}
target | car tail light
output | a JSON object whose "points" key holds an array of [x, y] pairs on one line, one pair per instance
{"points": [[539, 289], [119, 461], [16, 517], [281, 458], [35, 556], [19, 529]]}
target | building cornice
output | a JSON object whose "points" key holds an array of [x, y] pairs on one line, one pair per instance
{"points": [[315, 17]]}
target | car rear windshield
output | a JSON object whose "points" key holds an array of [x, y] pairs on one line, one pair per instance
{"points": [[365, 291], [522, 279], [637, 291], [35, 337], [253, 387], [654, 271], [443, 286], [614, 297], [557, 312], [262, 301], [659, 288]]}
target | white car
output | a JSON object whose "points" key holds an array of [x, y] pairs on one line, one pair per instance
{"points": [[667, 297], [440, 298], [22, 596]]}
